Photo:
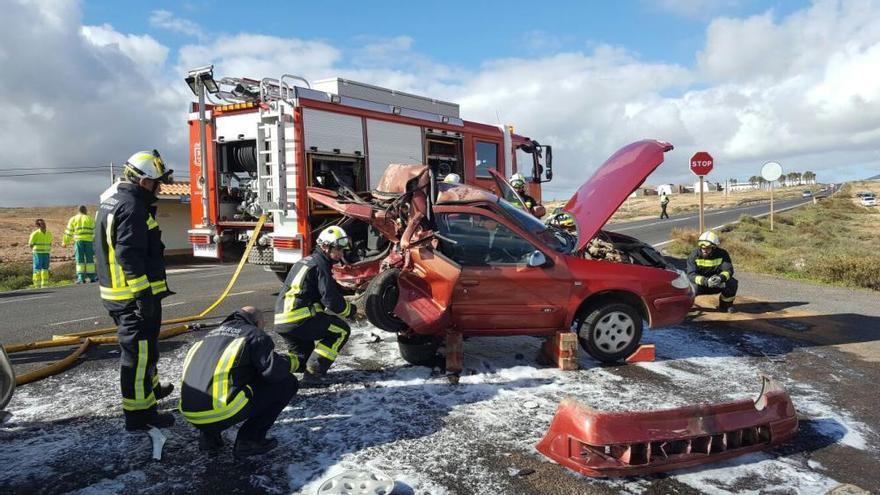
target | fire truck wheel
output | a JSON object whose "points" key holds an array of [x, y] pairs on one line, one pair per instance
{"points": [[379, 298], [611, 331], [420, 350]]}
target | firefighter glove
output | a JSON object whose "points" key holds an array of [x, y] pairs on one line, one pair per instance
{"points": [[715, 281]]}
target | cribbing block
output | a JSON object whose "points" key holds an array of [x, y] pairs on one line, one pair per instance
{"points": [[454, 353], [561, 349], [645, 353]]}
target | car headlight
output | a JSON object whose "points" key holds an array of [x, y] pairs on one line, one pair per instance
{"points": [[681, 281]]}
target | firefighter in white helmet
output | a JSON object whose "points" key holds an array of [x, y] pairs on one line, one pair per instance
{"points": [[310, 308], [129, 259], [518, 181], [452, 179], [710, 268]]}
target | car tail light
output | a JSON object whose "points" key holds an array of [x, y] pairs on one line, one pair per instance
{"points": [[285, 243]]}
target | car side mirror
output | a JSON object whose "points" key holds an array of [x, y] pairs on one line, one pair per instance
{"points": [[537, 260]]}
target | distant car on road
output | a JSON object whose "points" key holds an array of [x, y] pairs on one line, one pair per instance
{"points": [[867, 199], [807, 194]]}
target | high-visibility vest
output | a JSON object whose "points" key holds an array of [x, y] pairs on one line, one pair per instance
{"points": [[80, 227], [40, 241]]}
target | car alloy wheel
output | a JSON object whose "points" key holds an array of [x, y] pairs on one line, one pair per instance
{"points": [[610, 332]]}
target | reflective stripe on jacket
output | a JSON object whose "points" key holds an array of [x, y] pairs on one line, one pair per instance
{"points": [[700, 268], [80, 227], [219, 370], [40, 242], [129, 254], [309, 289]]}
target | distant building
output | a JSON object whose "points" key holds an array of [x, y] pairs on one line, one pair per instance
{"points": [[667, 189], [174, 217], [748, 186]]}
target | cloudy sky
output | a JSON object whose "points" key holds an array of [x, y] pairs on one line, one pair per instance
{"points": [[84, 84]]}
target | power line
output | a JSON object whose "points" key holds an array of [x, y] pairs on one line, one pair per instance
{"points": [[103, 167], [55, 173]]}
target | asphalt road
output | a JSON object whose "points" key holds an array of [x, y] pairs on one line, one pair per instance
{"points": [[31, 315]]}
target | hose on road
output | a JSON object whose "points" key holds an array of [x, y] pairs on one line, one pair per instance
{"points": [[94, 337]]}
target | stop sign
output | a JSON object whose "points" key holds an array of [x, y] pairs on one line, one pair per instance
{"points": [[701, 163]]}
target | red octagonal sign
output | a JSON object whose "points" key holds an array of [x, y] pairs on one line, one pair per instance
{"points": [[701, 163]]}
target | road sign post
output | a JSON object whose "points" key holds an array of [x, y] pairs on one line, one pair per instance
{"points": [[701, 164], [770, 172]]}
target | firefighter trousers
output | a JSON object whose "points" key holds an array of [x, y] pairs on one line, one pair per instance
{"points": [[139, 352], [728, 293], [316, 339], [261, 410]]}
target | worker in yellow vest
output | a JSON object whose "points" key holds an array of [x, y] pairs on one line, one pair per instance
{"points": [[40, 242], [81, 231]]}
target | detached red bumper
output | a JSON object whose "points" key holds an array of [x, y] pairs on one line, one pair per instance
{"points": [[597, 443]]}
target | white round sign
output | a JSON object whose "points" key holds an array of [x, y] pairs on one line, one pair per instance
{"points": [[771, 171]]}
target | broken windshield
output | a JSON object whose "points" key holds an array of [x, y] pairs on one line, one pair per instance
{"points": [[557, 240]]}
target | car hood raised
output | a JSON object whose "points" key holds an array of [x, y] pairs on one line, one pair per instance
{"points": [[594, 203]]}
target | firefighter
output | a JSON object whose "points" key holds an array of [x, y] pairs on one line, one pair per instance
{"points": [[314, 335], [452, 178], [81, 231], [710, 268], [518, 181], [233, 375], [664, 200], [40, 243], [129, 257]]}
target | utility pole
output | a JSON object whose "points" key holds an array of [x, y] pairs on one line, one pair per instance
{"points": [[112, 174]]}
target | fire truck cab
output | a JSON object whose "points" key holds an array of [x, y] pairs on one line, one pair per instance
{"points": [[268, 140]]}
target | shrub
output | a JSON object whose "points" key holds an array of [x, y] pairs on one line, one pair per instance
{"points": [[857, 269]]}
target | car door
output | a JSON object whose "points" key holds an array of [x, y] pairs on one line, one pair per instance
{"points": [[497, 292], [426, 291]]}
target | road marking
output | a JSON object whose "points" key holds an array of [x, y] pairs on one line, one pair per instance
{"points": [[24, 299], [74, 321], [693, 217], [240, 293], [188, 270], [173, 304]]}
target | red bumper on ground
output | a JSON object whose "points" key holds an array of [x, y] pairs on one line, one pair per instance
{"points": [[597, 443]]}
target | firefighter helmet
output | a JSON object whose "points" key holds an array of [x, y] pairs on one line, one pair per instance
{"points": [[517, 181], [709, 238], [147, 165], [333, 236], [452, 179]]}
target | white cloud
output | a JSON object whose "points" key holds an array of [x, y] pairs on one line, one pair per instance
{"points": [[166, 20], [803, 90]]}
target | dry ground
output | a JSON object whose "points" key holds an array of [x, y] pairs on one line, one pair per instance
{"points": [[18, 223]]}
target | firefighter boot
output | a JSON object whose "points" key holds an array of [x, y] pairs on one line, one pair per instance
{"points": [[163, 390], [210, 442], [244, 448], [317, 365], [726, 307], [160, 420]]}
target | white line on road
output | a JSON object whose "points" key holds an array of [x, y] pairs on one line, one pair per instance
{"points": [[240, 293], [16, 299], [173, 304], [74, 321], [188, 270]]}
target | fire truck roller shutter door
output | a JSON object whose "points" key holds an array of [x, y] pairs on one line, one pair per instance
{"points": [[388, 143]]}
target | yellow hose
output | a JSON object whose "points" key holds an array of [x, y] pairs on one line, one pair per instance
{"points": [[93, 336]]}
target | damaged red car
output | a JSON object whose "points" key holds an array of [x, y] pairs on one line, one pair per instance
{"points": [[462, 260]]}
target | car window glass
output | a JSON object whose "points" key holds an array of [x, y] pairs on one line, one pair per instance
{"points": [[477, 240], [487, 157]]}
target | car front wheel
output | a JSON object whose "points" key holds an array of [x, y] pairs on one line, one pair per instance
{"points": [[610, 332]]}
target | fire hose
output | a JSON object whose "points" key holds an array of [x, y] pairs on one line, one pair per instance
{"points": [[97, 337]]}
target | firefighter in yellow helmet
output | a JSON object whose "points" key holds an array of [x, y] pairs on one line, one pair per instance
{"points": [[710, 268], [40, 242], [518, 181], [129, 259], [81, 232], [452, 179], [310, 307]]}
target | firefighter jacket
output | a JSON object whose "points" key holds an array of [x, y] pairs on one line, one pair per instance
{"points": [[129, 254], [40, 242], [529, 201], [309, 289], [80, 227], [700, 268], [219, 370]]}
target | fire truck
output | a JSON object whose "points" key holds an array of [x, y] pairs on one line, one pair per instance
{"points": [[257, 145]]}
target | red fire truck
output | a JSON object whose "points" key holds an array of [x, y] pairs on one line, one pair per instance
{"points": [[268, 140]]}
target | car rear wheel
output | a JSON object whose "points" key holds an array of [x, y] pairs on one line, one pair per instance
{"points": [[380, 298], [610, 332], [420, 350]]}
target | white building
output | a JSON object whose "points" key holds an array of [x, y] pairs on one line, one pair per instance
{"points": [[174, 217], [667, 189]]}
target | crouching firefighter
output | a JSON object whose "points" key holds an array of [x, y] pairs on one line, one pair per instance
{"points": [[310, 307], [233, 375], [710, 268], [129, 259]]}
